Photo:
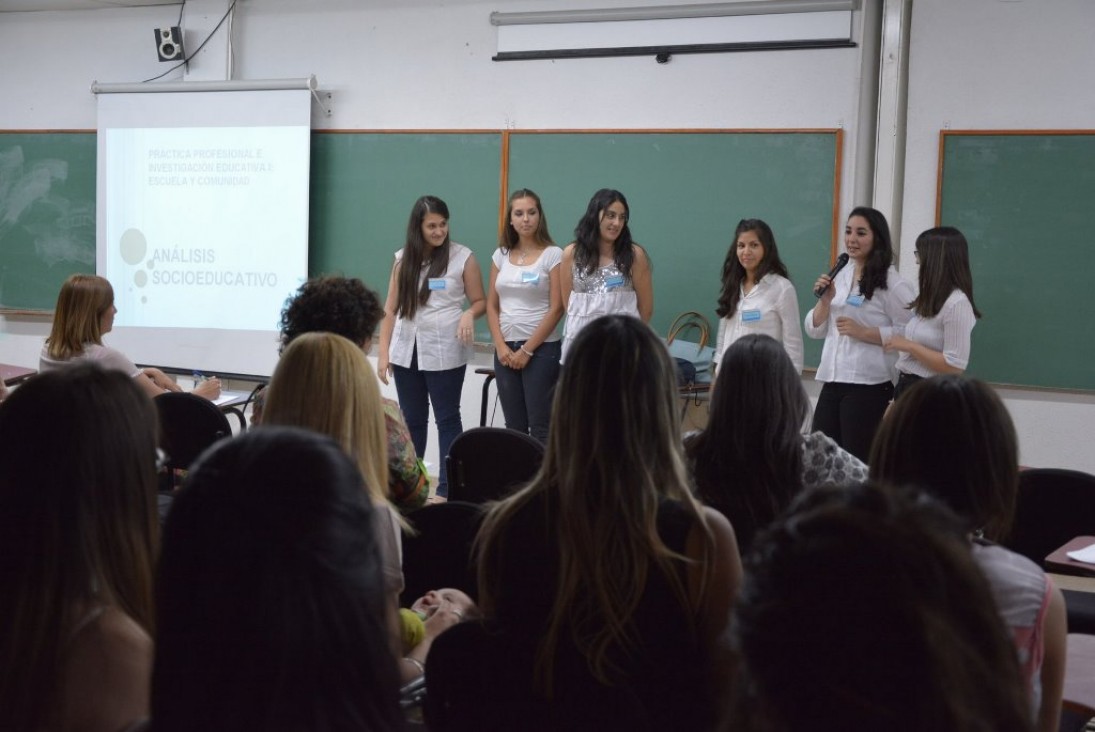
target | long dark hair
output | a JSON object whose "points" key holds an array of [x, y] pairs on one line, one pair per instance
{"points": [[902, 635], [733, 274], [613, 452], [416, 252], [879, 260], [954, 436], [271, 594], [944, 268], [78, 524], [747, 463], [587, 235]]}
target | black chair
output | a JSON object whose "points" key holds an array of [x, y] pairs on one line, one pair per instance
{"points": [[438, 554], [486, 463], [1054, 506], [188, 425]]}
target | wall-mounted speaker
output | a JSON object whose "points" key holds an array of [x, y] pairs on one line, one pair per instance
{"points": [[169, 46]]}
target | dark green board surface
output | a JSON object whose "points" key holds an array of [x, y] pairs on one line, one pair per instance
{"points": [[47, 215], [1026, 203], [686, 193]]}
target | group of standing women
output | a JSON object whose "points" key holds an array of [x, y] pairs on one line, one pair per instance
{"points": [[426, 334], [873, 321]]}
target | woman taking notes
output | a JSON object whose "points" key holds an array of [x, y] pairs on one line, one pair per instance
{"points": [[757, 297], [84, 314], [937, 338], [524, 304], [604, 271], [855, 315], [426, 334]]}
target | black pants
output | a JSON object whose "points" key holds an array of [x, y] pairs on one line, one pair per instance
{"points": [[851, 413], [904, 382]]}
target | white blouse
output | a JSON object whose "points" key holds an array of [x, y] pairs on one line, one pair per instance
{"points": [[849, 360], [770, 308], [948, 332], [433, 328], [524, 293]]}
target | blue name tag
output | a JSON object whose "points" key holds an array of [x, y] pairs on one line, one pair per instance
{"points": [[438, 283], [855, 300], [749, 316], [530, 278], [614, 281]]}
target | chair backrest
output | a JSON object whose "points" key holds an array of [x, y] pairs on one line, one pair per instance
{"points": [[438, 554], [486, 463], [188, 425], [1054, 507]]}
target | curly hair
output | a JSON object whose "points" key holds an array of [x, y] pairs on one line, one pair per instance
{"points": [[340, 305]]}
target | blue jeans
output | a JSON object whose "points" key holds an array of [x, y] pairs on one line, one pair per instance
{"points": [[417, 390], [526, 394]]}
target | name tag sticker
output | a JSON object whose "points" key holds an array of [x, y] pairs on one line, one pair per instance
{"points": [[530, 278], [438, 283], [614, 281], [750, 316], [855, 300]]}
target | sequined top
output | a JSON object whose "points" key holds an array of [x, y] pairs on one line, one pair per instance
{"points": [[608, 278]]}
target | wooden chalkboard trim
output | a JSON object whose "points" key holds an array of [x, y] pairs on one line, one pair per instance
{"points": [[944, 134]]}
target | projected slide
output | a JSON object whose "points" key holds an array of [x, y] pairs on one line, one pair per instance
{"points": [[202, 222], [205, 227]]}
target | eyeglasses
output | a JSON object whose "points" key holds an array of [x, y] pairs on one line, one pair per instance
{"points": [[613, 216]]}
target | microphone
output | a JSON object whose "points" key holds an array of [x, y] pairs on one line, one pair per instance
{"points": [[840, 262]]}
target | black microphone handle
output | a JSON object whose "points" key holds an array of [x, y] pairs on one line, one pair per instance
{"points": [[840, 262]]}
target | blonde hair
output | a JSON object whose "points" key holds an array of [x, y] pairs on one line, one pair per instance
{"points": [[324, 383], [613, 453], [78, 316]]}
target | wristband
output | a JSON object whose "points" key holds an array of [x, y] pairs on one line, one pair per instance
{"points": [[527, 353]]}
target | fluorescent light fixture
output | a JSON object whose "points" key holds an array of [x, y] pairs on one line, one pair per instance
{"points": [[665, 30]]}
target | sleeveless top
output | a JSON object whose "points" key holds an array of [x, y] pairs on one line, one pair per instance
{"points": [[604, 291]]}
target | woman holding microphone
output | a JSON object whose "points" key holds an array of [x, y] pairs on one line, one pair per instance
{"points": [[936, 339], [857, 310]]}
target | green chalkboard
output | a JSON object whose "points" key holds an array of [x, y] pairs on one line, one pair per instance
{"points": [[687, 192], [47, 214], [1026, 203], [364, 185]]}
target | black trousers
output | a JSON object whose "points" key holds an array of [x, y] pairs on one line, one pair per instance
{"points": [[851, 413]]}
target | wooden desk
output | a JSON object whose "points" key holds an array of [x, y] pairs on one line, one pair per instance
{"points": [[1060, 563], [1079, 690], [13, 375]]}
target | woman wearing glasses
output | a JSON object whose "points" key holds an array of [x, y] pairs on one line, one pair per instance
{"points": [[604, 271], [937, 338]]}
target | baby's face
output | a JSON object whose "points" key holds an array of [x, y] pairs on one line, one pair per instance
{"points": [[429, 603]]}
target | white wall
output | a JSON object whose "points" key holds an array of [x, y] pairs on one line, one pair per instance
{"points": [[425, 64], [987, 64]]}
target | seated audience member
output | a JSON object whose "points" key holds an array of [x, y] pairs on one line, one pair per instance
{"points": [[863, 610], [83, 315], [78, 538], [752, 459], [606, 587], [954, 437], [271, 606], [348, 308]]}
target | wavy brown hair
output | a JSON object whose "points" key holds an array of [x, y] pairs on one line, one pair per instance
{"points": [[613, 452]]}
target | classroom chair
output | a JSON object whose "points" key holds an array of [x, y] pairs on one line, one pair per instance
{"points": [[188, 425], [486, 463], [1054, 506], [438, 553]]}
